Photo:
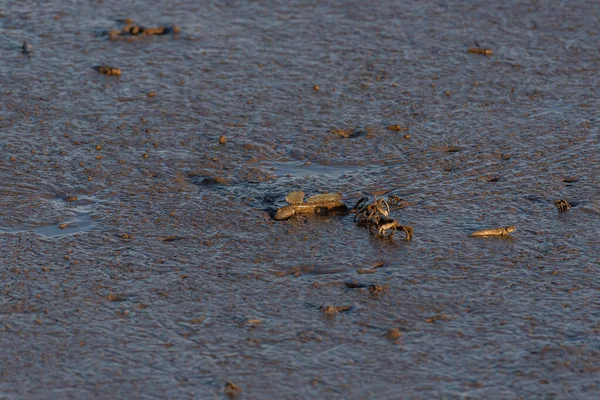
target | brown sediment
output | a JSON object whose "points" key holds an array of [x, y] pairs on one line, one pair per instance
{"points": [[505, 231]]}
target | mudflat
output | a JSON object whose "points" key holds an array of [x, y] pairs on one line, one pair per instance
{"points": [[139, 257]]}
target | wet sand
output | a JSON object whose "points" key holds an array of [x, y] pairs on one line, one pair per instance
{"points": [[170, 277]]}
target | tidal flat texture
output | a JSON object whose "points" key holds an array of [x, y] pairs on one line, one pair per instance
{"points": [[139, 257]]}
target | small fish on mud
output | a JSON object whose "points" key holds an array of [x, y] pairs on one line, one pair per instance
{"points": [[105, 69], [505, 231], [319, 204]]}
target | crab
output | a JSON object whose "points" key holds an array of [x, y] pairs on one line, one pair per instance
{"points": [[393, 225], [562, 205], [367, 214], [377, 290]]}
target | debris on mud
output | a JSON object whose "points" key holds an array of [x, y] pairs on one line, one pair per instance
{"points": [[319, 204], [107, 70], [562, 205]]}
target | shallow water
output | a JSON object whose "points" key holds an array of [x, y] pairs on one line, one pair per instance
{"points": [[172, 278]]}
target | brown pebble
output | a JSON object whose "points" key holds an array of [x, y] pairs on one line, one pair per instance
{"points": [[222, 139], [397, 128], [145, 155], [151, 94], [63, 225], [71, 198], [406, 136], [316, 88], [394, 333]]}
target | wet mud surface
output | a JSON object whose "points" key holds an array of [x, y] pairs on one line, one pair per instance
{"points": [[170, 278]]}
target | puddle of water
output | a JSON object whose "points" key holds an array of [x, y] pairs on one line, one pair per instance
{"points": [[80, 218]]}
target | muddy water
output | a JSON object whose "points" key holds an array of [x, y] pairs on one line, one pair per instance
{"points": [[171, 278]]}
